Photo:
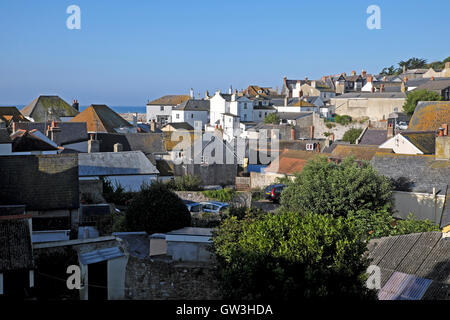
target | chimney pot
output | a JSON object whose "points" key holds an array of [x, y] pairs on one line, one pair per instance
{"points": [[445, 127], [353, 73], [311, 132]]}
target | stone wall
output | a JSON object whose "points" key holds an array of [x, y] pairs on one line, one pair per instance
{"points": [[164, 279], [339, 130], [261, 180]]}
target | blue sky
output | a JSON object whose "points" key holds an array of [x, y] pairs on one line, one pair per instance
{"points": [[128, 52]]}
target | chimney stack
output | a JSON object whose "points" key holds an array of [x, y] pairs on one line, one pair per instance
{"points": [[372, 89], [442, 151], [405, 79], [135, 119], [75, 105], [445, 127], [118, 147], [54, 132], [285, 101], [230, 90], [206, 95], [292, 134], [369, 79], [152, 125], [381, 87], [191, 93], [390, 131], [353, 73], [311, 132], [324, 79], [432, 78], [363, 73], [93, 145], [404, 69]]}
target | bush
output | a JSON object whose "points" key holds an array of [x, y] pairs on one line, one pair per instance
{"points": [[330, 125], [222, 195], [156, 209], [185, 183], [325, 187], [351, 135], [116, 193], [286, 256], [419, 95], [272, 118], [343, 119]]}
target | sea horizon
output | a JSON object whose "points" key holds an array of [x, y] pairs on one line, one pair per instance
{"points": [[118, 109]]}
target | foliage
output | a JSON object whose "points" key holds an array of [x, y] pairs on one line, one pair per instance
{"points": [[327, 134], [272, 118], [382, 224], [223, 195], [325, 187], [363, 119], [351, 135], [115, 193], [419, 95], [156, 209], [413, 63], [243, 213], [185, 183], [343, 119], [257, 194], [413, 225], [283, 180], [288, 256], [330, 125]]}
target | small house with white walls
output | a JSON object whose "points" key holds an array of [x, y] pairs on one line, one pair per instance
{"points": [[160, 110], [420, 142], [130, 169], [190, 111]]}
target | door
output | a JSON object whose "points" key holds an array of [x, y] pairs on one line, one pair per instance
{"points": [[98, 281]]}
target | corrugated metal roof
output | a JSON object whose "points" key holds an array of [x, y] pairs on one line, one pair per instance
{"points": [[50, 236], [402, 286], [100, 255]]}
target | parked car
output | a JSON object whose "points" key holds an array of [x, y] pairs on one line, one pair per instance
{"points": [[193, 206], [214, 206], [273, 192], [212, 187], [402, 125]]}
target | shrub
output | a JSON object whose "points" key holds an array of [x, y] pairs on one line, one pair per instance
{"points": [[343, 119], [185, 183], [351, 135], [272, 118], [223, 195], [286, 256], [419, 95], [325, 187], [156, 209]]}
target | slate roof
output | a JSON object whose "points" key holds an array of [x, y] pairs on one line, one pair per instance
{"points": [[373, 137], [114, 163], [34, 140], [291, 161], [101, 118], [435, 85], [38, 108], [293, 115], [16, 252], [430, 115], [11, 114], [169, 100], [40, 182], [292, 102], [4, 136], [194, 105], [423, 140], [71, 132], [359, 152], [372, 95], [179, 126], [425, 255], [422, 172], [333, 146]]}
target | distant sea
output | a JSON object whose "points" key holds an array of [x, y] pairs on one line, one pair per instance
{"points": [[118, 109]]}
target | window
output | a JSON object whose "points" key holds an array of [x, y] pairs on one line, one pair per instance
{"points": [[245, 105], [229, 119], [192, 115], [161, 108], [260, 114], [178, 116]]}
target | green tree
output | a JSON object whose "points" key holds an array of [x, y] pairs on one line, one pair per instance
{"points": [[286, 256], [324, 187], [413, 63], [272, 118], [419, 95], [351, 135], [156, 209]]}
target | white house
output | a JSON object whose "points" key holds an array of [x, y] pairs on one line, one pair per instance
{"points": [[160, 110], [192, 110], [130, 169], [419, 142]]}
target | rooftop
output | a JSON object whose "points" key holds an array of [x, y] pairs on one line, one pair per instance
{"points": [[48, 108], [169, 100], [359, 152], [101, 118], [430, 115]]}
